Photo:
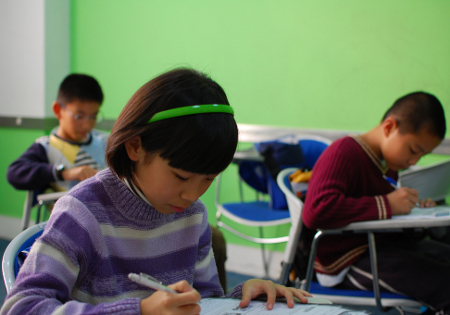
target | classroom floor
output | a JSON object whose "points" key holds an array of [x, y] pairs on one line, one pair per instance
{"points": [[233, 279]]}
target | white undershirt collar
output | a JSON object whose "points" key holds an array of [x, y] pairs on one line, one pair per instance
{"points": [[136, 191]]}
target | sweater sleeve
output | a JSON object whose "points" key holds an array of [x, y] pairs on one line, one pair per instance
{"points": [[335, 196], [64, 254], [31, 171]]}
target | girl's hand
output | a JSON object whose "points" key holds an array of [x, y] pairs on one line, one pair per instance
{"points": [[427, 203], [162, 302], [255, 287]]}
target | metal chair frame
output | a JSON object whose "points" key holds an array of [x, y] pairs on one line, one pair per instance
{"points": [[294, 214], [42, 200]]}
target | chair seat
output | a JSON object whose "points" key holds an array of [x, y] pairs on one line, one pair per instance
{"points": [[257, 214], [258, 211]]}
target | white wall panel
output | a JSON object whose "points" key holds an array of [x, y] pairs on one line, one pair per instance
{"points": [[33, 55]]}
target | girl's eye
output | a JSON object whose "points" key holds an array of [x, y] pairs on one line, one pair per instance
{"points": [[180, 178], [413, 152]]}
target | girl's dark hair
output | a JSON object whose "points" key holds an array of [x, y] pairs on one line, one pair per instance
{"points": [[201, 143], [418, 110]]}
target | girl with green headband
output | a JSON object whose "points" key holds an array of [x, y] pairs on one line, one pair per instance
{"points": [[143, 214]]}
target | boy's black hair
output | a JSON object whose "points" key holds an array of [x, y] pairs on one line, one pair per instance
{"points": [[79, 87], [201, 143], [418, 110]]}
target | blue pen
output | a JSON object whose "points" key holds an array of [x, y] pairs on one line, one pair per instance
{"points": [[394, 184], [391, 181]]}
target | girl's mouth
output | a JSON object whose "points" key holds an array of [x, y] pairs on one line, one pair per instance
{"points": [[178, 209]]}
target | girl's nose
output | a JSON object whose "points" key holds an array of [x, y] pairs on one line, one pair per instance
{"points": [[191, 193]]}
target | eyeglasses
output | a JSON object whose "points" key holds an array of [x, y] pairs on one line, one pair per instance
{"points": [[81, 117]]}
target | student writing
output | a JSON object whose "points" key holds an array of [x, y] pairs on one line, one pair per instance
{"points": [[142, 214], [348, 184]]}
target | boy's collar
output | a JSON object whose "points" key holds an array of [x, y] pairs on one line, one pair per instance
{"points": [[88, 140], [381, 164]]}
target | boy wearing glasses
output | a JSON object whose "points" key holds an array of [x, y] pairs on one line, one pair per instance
{"points": [[73, 151]]}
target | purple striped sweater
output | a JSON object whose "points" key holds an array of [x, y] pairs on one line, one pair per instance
{"points": [[96, 236]]}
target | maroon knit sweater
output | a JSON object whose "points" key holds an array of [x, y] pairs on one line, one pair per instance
{"points": [[347, 185]]}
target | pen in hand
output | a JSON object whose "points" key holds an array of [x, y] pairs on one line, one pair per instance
{"points": [[149, 281], [394, 184]]}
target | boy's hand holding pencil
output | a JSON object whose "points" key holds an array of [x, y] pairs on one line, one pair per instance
{"points": [[402, 200]]}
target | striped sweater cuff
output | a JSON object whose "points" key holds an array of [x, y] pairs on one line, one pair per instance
{"points": [[382, 208]]}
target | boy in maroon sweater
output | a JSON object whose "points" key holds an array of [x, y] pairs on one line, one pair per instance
{"points": [[349, 185]]}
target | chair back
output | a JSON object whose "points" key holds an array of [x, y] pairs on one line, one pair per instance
{"points": [[281, 153], [10, 261], [312, 148], [295, 206]]}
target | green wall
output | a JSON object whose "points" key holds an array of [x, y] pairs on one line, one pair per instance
{"points": [[308, 64], [313, 64], [14, 142]]}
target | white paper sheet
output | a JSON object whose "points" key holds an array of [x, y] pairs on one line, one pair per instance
{"points": [[223, 306], [419, 213]]}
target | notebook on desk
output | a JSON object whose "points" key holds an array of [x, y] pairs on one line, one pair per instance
{"points": [[431, 181], [226, 306], [421, 213]]}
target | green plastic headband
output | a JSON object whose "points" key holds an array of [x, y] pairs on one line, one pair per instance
{"points": [[192, 110]]}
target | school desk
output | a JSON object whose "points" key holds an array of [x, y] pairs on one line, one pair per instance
{"points": [[397, 224]]}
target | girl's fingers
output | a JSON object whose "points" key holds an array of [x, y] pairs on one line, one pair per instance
{"points": [[245, 301], [289, 295], [190, 309], [181, 286], [187, 296], [270, 289], [301, 295], [253, 288]]}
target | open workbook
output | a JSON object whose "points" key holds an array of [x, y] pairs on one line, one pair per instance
{"points": [[224, 306], [431, 181]]}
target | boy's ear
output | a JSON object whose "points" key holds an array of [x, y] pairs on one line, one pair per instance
{"points": [[134, 148], [56, 107], [389, 125]]}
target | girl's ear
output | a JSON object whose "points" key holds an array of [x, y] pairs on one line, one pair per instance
{"points": [[389, 125], [56, 107], [134, 148]]}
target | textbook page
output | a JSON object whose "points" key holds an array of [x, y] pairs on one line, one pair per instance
{"points": [[224, 306], [431, 181]]}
